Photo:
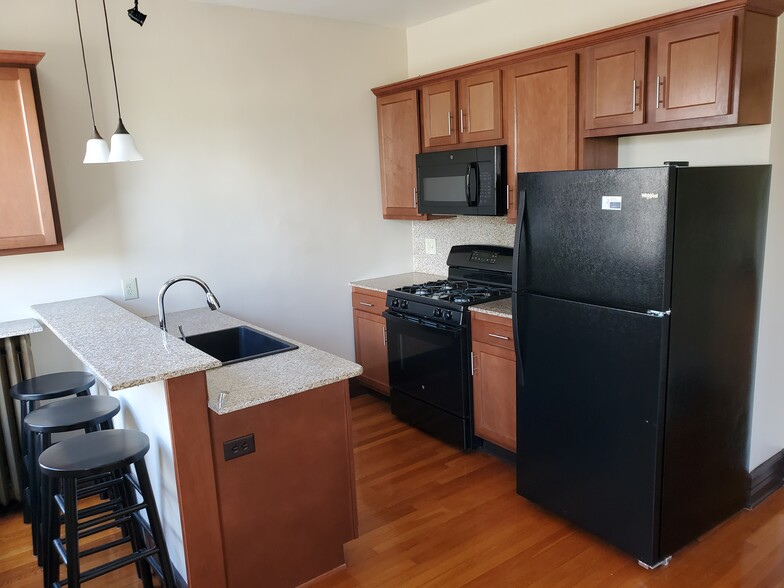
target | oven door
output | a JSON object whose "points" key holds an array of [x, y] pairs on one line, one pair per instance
{"points": [[428, 362]]}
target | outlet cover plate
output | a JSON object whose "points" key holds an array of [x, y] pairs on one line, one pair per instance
{"points": [[238, 447], [430, 246], [130, 289]]}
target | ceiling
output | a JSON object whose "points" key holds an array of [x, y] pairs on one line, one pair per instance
{"points": [[391, 13]]}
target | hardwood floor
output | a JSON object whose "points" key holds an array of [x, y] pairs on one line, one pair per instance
{"points": [[430, 515]]}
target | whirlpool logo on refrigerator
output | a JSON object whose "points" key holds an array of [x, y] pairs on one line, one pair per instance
{"points": [[649, 195]]}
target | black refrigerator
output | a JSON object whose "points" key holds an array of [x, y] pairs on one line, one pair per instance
{"points": [[636, 303]]}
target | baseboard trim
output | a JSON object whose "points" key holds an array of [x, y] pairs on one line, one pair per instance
{"points": [[765, 479]]}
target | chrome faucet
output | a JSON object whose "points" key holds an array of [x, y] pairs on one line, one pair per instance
{"points": [[212, 302]]}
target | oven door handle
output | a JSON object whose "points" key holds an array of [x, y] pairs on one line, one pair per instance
{"points": [[411, 320], [471, 188]]}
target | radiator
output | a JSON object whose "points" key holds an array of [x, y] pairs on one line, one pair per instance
{"points": [[16, 364]]}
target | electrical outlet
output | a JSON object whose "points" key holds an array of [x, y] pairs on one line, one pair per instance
{"points": [[130, 289], [430, 246], [239, 447]]}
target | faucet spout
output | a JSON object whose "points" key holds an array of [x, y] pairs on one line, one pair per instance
{"points": [[212, 301]]}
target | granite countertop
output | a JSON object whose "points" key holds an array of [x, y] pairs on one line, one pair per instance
{"points": [[120, 348], [20, 327], [124, 350], [396, 281], [502, 308], [256, 381]]}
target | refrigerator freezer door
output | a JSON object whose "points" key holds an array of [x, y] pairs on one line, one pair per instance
{"points": [[589, 417], [598, 236]]}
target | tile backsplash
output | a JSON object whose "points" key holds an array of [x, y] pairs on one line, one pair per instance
{"points": [[460, 230]]}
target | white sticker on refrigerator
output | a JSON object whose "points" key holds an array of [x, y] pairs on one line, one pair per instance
{"points": [[611, 202]]}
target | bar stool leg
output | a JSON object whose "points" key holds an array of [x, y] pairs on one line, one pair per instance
{"points": [[24, 441], [50, 527], [71, 533], [134, 530], [43, 442], [155, 522]]}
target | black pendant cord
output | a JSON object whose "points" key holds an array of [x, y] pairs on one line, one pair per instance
{"points": [[111, 57], [84, 61]]}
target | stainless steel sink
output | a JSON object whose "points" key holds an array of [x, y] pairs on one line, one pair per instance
{"points": [[238, 344]]}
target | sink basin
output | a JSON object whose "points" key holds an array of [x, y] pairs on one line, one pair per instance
{"points": [[238, 344]]}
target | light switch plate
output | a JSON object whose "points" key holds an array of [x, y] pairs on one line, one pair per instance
{"points": [[430, 246], [130, 289]]}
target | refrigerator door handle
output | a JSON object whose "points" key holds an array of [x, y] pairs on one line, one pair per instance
{"points": [[659, 313]]}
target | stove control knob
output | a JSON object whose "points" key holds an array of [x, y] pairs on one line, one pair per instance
{"points": [[438, 313], [403, 304], [395, 303], [448, 315]]}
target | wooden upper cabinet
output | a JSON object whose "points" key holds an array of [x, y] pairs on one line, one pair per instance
{"points": [[28, 209], [541, 100], [615, 83], [439, 114], [464, 111], [694, 69], [479, 107], [398, 141]]}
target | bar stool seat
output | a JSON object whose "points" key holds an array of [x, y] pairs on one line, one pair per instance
{"points": [[72, 414], [100, 452], [50, 386], [28, 393]]}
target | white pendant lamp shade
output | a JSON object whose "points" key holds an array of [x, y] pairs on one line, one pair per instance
{"points": [[123, 146], [97, 150]]}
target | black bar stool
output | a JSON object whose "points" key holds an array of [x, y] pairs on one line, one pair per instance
{"points": [[28, 392], [72, 414], [72, 460]]}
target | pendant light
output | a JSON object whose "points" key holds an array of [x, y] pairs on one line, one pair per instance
{"points": [[123, 146], [97, 150]]}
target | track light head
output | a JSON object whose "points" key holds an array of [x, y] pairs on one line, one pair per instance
{"points": [[135, 15]]}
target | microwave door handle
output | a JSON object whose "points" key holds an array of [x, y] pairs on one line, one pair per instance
{"points": [[472, 189]]}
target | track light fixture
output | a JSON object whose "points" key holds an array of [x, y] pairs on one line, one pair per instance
{"points": [[135, 15]]}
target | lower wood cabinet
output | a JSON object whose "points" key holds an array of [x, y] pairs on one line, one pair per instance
{"points": [[493, 367], [370, 338], [28, 209]]}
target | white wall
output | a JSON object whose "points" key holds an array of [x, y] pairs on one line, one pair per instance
{"points": [[503, 26], [260, 173]]}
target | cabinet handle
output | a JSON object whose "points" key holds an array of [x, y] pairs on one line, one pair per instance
{"points": [[461, 121], [449, 122], [416, 204], [507, 197], [659, 93], [634, 95], [498, 336], [472, 363], [366, 304], [385, 336]]}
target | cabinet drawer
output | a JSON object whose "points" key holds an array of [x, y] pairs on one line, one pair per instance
{"points": [[492, 330], [369, 301]]}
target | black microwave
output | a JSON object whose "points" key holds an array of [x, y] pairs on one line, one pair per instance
{"points": [[464, 181]]}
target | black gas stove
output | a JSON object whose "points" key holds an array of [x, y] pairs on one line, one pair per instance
{"points": [[477, 274], [428, 342]]}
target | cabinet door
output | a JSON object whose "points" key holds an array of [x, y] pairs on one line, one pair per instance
{"points": [[694, 69], [439, 106], [541, 103], [495, 395], [615, 84], [27, 208], [370, 345], [398, 139], [479, 114]]}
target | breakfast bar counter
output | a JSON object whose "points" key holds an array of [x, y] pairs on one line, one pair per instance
{"points": [[256, 456]]}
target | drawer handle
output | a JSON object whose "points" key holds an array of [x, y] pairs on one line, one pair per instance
{"points": [[498, 336], [365, 304]]}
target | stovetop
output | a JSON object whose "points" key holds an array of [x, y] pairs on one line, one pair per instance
{"points": [[477, 274], [460, 292]]}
